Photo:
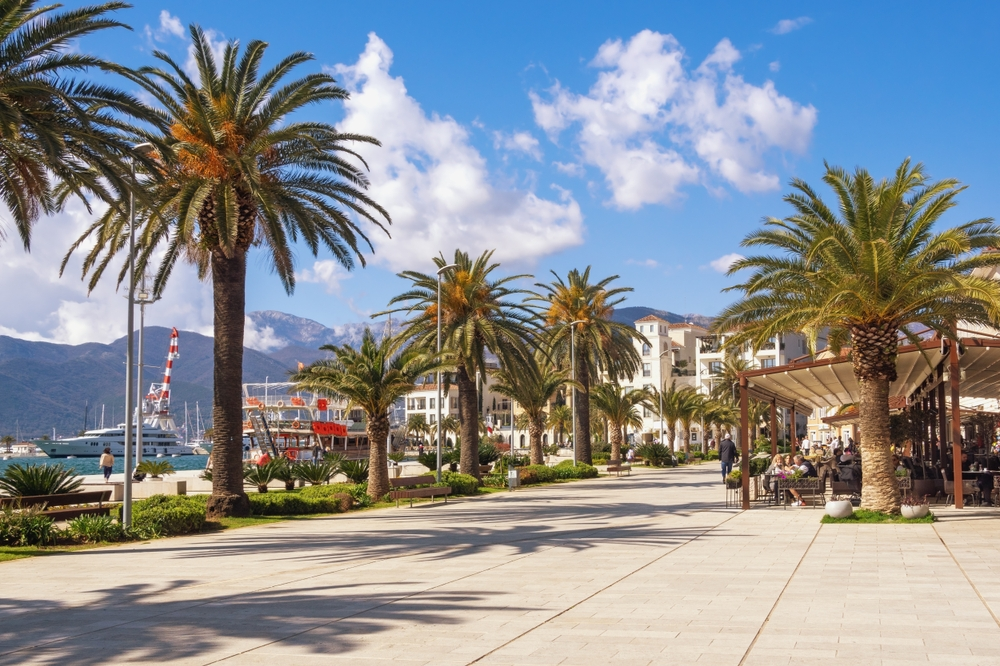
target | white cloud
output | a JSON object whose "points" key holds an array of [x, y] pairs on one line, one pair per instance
{"points": [[570, 169], [326, 272], [723, 263], [648, 263], [775, 66], [436, 185], [39, 305], [652, 127], [170, 26], [785, 26], [517, 142], [261, 339]]}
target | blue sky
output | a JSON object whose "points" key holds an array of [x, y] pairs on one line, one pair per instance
{"points": [[643, 140]]}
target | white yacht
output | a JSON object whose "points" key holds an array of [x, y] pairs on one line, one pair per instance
{"points": [[91, 444]]}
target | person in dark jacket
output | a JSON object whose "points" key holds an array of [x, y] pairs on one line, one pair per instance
{"points": [[727, 455]]}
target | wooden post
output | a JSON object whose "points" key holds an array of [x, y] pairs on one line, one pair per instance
{"points": [[793, 438], [956, 426], [774, 427], [745, 442], [935, 431]]}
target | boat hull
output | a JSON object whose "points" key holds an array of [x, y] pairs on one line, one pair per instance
{"points": [[92, 444]]}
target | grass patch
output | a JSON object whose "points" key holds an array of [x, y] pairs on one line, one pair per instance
{"points": [[868, 516], [8, 553]]}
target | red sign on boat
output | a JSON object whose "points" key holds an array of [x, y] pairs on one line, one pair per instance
{"points": [[329, 428]]}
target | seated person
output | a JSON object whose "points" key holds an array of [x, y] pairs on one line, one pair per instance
{"points": [[807, 470], [777, 471]]}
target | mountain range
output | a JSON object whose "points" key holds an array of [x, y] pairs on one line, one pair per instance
{"points": [[45, 385]]}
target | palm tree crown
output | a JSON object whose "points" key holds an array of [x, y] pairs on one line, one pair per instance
{"points": [[867, 273], [54, 130], [371, 378], [620, 407]]}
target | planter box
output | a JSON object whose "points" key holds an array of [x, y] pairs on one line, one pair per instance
{"points": [[918, 511], [148, 488]]}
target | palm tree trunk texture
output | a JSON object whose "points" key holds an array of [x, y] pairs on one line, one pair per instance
{"points": [[671, 437], [468, 416], [378, 461], [616, 443], [229, 291], [874, 360], [581, 438], [686, 434], [535, 429]]}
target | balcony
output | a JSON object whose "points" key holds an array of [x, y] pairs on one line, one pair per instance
{"points": [[710, 345]]}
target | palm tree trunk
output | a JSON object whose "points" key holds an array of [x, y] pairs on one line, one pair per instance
{"points": [[468, 416], [874, 359], [616, 443], [378, 461], [535, 436], [671, 436], [581, 438], [229, 292], [686, 436], [879, 491]]}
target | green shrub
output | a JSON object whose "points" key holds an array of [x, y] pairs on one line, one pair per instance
{"points": [[397, 456], [95, 529], [284, 471], [163, 515], [317, 472], [655, 454], [537, 474], [597, 460], [680, 457], [155, 468], [355, 470], [24, 480], [297, 504], [697, 455], [712, 455], [488, 452], [566, 470], [495, 480], [429, 458], [461, 484], [600, 450], [261, 475], [357, 491], [26, 527], [551, 450]]}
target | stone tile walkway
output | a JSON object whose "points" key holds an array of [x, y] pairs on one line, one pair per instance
{"points": [[647, 569]]}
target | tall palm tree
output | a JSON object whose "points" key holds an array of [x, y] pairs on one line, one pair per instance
{"points": [[370, 378], [674, 403], [449, 424], [237, 170], [478, 313], [620, 407], [532, 386], [602, 345], [868, 269], [560, 420], [58, 136], [717, 414]]}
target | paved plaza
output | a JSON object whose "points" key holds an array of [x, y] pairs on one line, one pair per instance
{"points": [[646, 569]]}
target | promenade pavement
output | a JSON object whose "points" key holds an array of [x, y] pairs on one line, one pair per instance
{"points": [[647, 569]]}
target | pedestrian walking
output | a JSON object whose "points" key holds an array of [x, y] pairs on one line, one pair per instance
{"points": [[727, 455], [630, 456], [107, 463]]}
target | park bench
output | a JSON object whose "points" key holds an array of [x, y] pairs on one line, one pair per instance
{"points": [[618, 467], [64, 506], [805, 485], [409, 491]]}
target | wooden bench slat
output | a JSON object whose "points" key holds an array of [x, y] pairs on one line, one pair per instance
{"points": [[411, 494], [408, 481], [62, 499]]}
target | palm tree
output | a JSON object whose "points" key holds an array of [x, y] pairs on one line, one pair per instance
{"points": [[620, 407], [675, 403], [693, 405], [477, 315], [8, 441], [58, 137], [867, 270], [560, 420], [602, 345], [449, 424], [371, 378], [532, 386], [417, 425], [237, 171]]}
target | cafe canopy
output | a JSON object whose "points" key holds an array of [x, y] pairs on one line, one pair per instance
{"points": [[935, 376]]}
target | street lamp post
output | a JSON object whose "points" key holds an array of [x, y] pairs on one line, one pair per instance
{"points": [[572, 370], [663, 385], [438, 315], [145, 298], [130, 344]]}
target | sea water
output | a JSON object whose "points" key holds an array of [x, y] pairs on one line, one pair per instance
{"points": [[83, 466]]}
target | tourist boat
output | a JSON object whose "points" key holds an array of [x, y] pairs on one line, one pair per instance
{"points": [[159, 433]]}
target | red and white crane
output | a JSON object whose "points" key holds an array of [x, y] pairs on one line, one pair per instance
{"points": [[158, 398]]}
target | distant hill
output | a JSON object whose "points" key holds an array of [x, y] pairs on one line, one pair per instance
{"points": [[292, 339], [45, 385], [631, 314]]}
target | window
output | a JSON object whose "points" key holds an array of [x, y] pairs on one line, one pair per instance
{"points": [[715, 368], [647, 369], [454, 403], [433, 418], [646, 349], [421, 403], [411, 404], [432, 405], [504, 404], [767, 362]]}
